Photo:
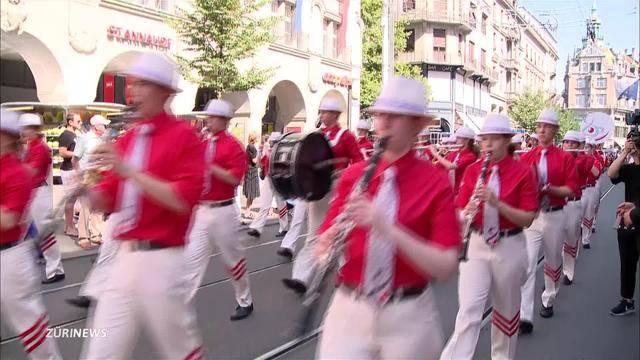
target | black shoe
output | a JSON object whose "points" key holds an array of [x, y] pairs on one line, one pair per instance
{"points": [[586, 246], [53, 279], [625, 307], [254, 233], [296, 285], [593, 231], [281, 234], [546, 312], [80, 301], [526, 327], [567, 281], [241, 312], [285, 253]]}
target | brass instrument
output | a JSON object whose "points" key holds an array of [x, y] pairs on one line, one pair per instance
{"points": [[344, 226], [470, 216]]}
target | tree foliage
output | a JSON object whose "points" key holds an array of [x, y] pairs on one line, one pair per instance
{"points": [[371, 79], [525, 110], [218, 35]]}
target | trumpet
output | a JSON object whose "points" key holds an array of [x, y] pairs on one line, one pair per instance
{"points": [[344, 226], [470, 216]]}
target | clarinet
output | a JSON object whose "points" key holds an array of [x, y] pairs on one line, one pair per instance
{"points": [[468, 218], [311, 304]]}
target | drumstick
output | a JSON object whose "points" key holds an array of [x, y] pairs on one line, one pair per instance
{"points": [[326, 163]]}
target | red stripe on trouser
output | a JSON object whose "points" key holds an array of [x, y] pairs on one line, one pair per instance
{"points": [[508, 327], [35, 335], [195, 354], [283, 212], [554, 274], [239, 269], [48, 246], [46, 243], [587, 222], [571, 250], [239, 275]]}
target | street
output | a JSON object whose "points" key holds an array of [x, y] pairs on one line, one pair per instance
{"points": [[581, 329]]}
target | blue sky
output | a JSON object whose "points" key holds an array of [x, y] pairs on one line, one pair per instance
{"points": [[620, 24]]}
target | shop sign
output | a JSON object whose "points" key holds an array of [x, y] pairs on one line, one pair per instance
{"points": [[138, 37], [337, 80]]}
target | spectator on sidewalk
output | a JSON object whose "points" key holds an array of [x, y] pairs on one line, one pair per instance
{"points": [[90, 221], [250, 186], [67, 143], [622, 170]]}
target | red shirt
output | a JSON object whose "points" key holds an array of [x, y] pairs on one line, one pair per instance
{"points": [[425, 207], [38, 156], [518, 188], [600, 157], [16, 186], [583, 165], [264, 159], [345, 147], [229, 155], [364, 143], [175, 155], [561, 170], [593, 161], [466, 157]]}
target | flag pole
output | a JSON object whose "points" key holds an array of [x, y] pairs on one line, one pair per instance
{"points": [[387, 40]]}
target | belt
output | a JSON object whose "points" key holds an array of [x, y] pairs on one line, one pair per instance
{"points": [[145, 245], [398, 294], [586, 186], [216, 204], [9, 245], [573, 199], [502, 233], [552, 208], [44, 183]]}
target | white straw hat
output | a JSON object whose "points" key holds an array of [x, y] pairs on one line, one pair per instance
{"points": [[363, 125], [465, 133], [220, 108], [497, 124], [402, 96], [517, 138], [548, 116], [534, 136], [425, 132], [9, 122], [99, 120], [572, 135], [330, 104], [157, 69], [275, 136], [30, 119]]}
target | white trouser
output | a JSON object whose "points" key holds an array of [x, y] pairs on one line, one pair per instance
{"points": [[95, 281], [356, 329], [589, 203], [266, 198], [573, 211], [21, 303], [41, 207], [299, 217], [499, 271], [218, 226], [546, 231], [598, 194], [304, 264], [145, 290], [90, 221]]}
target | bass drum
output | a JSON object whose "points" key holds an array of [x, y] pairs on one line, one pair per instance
{"points": [[300, 166]]}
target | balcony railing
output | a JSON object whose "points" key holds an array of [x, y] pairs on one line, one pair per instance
{"points": [[416, 12], [510, 63]]}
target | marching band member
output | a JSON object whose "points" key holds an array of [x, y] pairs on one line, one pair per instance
{"points": [[457, 162], [497, 257], [424, 140], [216, 222], [557, 180], [590, 194], [22, 306], [515, 146], [38, 160], [364, 144], [267, 194], [573, 140], [384, 307], [344, 146], [533, 141], [155, 181], [603, 164], [287, 246]]}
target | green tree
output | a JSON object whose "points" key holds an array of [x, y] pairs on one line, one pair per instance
{"points": [[525, 110], [219, 34], [371, 79], [567, 120]]}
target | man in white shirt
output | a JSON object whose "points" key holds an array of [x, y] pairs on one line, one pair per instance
{"points": [[90, 222]]}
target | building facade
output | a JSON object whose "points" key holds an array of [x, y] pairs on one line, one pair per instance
{"points": [[477, 55], [76, 60], [599, 79]]}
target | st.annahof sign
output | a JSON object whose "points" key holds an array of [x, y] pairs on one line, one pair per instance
{"points": [[337, 80], [138, 37]]}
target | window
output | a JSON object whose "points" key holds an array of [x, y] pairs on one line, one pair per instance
{"points": [[601, 82], [275, 6], [483, 59], [439, 45], [592, 67], [585, 67], [289, 15], [162, 5], [472, 18], [598, 66], [471, 55], [582, 83], [483, 25], [408, 5], [411, 40], [330, 39], [581, 100], [601, 100], [460, 45]]}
